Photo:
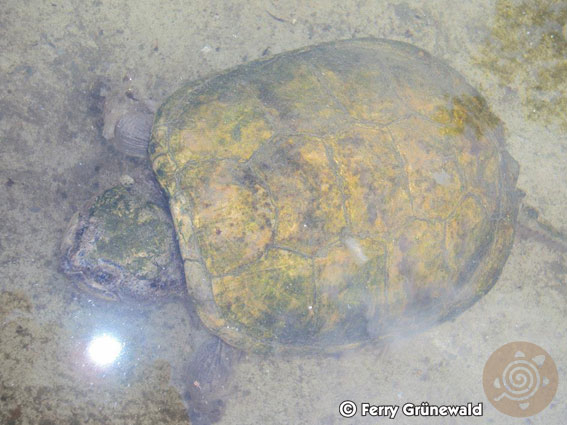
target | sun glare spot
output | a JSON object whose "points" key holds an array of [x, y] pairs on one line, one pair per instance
{"points": [[104, 349]]}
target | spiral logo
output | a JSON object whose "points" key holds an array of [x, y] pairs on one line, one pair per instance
{"points": [[520, 379]]}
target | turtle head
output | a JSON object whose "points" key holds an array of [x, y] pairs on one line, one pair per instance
{"points": [[123, 246]]}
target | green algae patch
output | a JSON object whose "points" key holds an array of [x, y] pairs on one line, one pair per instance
{"points": [[527, 51]]}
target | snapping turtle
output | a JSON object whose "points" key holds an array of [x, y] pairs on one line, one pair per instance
{"points": [[315, 200]]}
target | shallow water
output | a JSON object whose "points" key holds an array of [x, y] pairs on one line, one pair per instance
{"points": [[59, 58]]}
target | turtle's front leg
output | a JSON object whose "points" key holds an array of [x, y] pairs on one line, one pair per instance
{"points": [[206, 377]]}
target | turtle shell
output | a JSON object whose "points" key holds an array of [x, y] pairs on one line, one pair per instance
{"points": [[332, 195]]}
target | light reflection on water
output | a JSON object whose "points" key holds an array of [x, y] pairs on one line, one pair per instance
{"points": [[104, 349]]}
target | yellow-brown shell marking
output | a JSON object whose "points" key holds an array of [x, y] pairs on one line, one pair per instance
{"points": [[335, 194]]}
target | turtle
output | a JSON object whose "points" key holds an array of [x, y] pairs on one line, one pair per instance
{"points": [[309, 202]]}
